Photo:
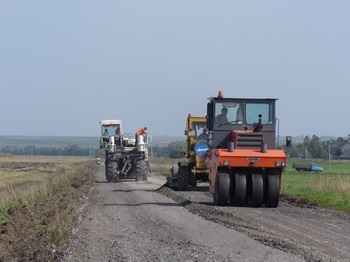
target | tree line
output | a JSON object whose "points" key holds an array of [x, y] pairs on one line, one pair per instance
{"points": [[70, 150], [314, 148], [172, 150], [310, 147]]}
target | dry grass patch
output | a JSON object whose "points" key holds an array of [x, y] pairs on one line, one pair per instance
{"points": [[38, 216], [339, 183], [162, 165], [26, 177]]}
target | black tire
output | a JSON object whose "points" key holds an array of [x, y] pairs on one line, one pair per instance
{"points": [[222, 189], [240, 190], [183, 178], [108, 177], [256, 194], [272, 190], [111, 171], [141, 170]]}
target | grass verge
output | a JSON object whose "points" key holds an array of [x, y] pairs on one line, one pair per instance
{"points": [[37, 218]]}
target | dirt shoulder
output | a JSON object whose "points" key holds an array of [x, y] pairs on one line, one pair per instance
{"points": [[39, 232]]}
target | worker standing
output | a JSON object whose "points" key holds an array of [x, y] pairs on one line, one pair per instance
{"points": [[140, 132]]}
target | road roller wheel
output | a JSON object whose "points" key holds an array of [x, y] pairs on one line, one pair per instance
{"points": [[240, 190], [272, 190], [256, 194], [222, 189]]}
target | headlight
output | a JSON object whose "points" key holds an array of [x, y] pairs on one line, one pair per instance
{"points": [[226, 162], [280, 164]]}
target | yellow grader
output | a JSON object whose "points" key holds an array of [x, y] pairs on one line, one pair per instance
{"points": [[186, 174]]}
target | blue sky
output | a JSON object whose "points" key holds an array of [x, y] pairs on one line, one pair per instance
{"points": [[66, 65]]}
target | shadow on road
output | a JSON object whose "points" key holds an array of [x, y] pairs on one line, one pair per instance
{"points": [[206, 203], [195, 189], [120, 181], [101, 182], [134, 190], [184, 203]]}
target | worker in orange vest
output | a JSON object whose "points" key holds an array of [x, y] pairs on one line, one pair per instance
{"points": [[140, 132]]}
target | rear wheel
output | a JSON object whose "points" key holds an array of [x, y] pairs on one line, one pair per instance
{"points": [[272, 190], [183, 178], [141, 170], [256, 195], [108, 177], [240, 190], [222, 189], [111, 171]]}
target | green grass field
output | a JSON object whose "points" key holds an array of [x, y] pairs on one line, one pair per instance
{"points": [[330, 189]]}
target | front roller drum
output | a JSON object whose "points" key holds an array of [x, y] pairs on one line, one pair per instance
{"points": [[222, 189]]}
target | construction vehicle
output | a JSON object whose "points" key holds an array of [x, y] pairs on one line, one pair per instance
{"points": [[244, 166], [186, 174], [129, 139], [120, 161], [307, 167]]}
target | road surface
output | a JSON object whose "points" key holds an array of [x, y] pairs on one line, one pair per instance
{"points": [[135, 221]]}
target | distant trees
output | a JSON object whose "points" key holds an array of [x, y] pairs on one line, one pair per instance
{"points": [[72, 150], [172, 150], [313, 148]]}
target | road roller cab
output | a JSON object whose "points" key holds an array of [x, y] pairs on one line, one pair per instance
{"points": [[244, 166]]}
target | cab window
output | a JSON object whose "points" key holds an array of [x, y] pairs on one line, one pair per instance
{"points": [[254, 109]]}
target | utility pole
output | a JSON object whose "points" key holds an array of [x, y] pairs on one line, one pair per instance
{"points": [[329, 156], [278, 131], [305, 152]]}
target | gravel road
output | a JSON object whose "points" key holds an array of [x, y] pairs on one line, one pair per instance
{"points": [[137, 221], [312, 233]]}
